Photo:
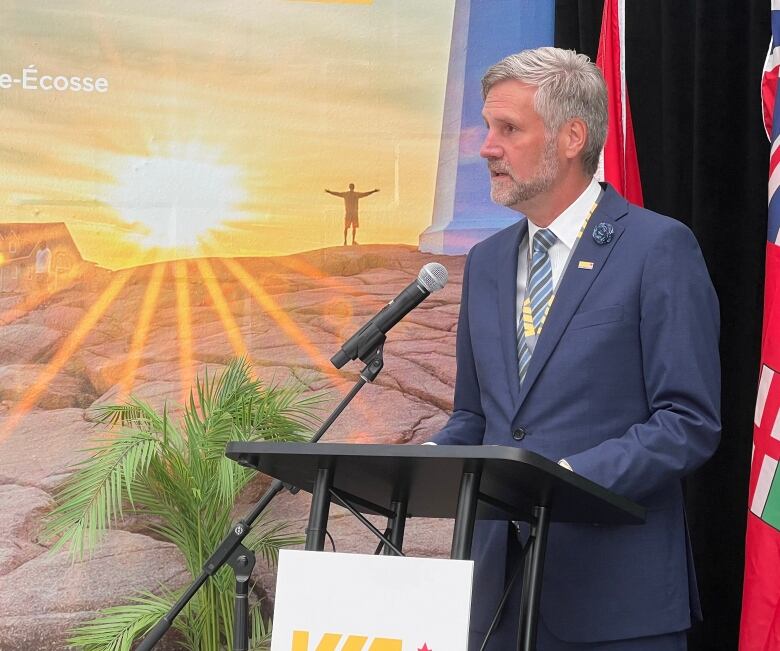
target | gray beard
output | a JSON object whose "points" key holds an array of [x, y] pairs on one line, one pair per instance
{"points": [[520, 191]]}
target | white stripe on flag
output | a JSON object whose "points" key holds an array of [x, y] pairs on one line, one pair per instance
{"points": [[765, 477], [775, 4], [776, 428], [763, 391], [775, 145], [600, 169], [773, 59]]}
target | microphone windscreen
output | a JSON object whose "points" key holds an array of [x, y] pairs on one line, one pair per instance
{"points": [[433, 276]]}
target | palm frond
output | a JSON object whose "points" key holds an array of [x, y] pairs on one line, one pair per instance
{"points": [[260, 633], [117, 627], [235, 381], [135, 413], [177, 474], [91, 500]]}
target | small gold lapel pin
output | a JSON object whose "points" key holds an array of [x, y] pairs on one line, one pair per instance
{"points": [[584, 264]]}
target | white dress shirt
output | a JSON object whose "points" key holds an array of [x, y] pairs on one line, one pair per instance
{"points": [[565, 227]]}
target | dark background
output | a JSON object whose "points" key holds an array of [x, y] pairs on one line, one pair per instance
{"points": [[693, 71]]}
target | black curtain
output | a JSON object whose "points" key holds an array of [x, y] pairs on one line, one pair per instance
{"points": [[693, 73]]}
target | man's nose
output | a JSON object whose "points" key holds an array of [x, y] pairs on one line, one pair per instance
{"points": [[490, 148]]}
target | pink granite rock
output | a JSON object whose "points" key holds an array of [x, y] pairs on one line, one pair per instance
{"points": [[57, 317], [325, 296], [63, 390], [45, 597], [22, 343], [40, 450], [159, 394], [21, 511]]}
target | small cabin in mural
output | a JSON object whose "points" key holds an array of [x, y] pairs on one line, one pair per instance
{"points": [[19, 246]]}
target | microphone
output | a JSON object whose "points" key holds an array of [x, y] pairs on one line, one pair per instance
{"points": [[432, 277]]}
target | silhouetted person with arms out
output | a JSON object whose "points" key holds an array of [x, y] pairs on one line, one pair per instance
{"points": [[351, 208]]}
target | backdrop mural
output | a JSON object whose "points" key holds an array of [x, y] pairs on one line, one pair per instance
{"points": [[184, 183]]}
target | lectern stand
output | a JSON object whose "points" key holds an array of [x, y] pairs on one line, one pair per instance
{"points": [[460, 482]]}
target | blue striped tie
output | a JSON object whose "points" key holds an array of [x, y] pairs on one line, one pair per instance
{"points": [[538, 294]]}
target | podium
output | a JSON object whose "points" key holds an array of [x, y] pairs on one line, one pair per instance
{"points": [[461, 482]]}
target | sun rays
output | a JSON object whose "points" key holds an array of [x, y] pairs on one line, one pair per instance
{"points": [[184, 322], [220, 305], [183, 283], [272, 309], [65, 351], [141, 330]]}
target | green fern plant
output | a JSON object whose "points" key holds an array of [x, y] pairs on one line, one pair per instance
{"points": [[177, 472]]}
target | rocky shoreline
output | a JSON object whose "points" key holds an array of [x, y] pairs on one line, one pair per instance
{"points": [[49, 353]]}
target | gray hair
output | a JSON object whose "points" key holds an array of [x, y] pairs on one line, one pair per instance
{"points": [[568, 85]]}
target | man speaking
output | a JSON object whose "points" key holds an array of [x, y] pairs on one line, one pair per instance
{"points": [[588, 333]]}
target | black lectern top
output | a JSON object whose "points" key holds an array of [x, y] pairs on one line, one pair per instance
{"points": [[511, 480]]}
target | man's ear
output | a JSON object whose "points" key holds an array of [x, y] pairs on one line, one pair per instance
{"points": [[573, 137]]}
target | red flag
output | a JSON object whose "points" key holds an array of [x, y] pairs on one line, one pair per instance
{"points": [[760, 625], [620, 164]]}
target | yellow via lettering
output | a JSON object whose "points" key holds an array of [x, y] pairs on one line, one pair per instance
{"points": [[385, 644], [354, 643], [330, 641]]}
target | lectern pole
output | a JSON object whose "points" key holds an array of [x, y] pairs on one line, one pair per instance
{"points": [[318, 515], [397, 526], [532, 578], [465, 515]]}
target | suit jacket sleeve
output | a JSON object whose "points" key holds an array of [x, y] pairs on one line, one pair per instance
{"points": [[466, 425], [679, 330]]}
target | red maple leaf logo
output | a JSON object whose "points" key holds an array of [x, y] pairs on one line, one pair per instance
{"points": [[424, 648]]}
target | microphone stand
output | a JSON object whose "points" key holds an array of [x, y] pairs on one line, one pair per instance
{"points": [[231, 551]]}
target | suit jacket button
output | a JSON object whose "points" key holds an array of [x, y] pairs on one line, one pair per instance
{"points": [[519, 434]]}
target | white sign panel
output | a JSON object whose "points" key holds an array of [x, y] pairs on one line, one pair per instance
{"points": [[355, 602]]}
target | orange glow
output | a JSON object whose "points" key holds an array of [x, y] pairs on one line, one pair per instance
{"points": [[70, 150], [142, 329], [273, 310], [64, 353], [34, 299], [30, 240], [185, 327], [290, 328], [309, 270], [305, 268], [338, 305], [220, 305], [297, 336]]}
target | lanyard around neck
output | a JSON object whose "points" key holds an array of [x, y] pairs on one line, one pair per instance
{"points": [[528, 321]]}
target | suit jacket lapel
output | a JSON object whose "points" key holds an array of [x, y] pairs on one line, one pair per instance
{"points": [[575, 283], [506, 285]]}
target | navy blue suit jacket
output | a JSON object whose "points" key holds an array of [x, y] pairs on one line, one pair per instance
{"points": [[624, 384]]}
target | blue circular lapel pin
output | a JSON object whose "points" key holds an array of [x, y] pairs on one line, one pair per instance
{"points": [[603, 233]]}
